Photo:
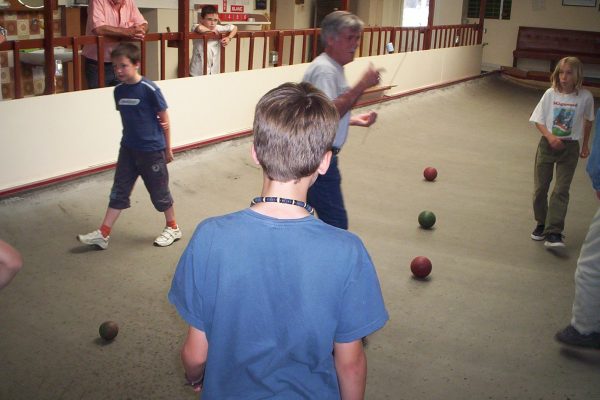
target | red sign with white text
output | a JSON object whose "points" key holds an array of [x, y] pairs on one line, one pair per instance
{"points": [[237, 8]]}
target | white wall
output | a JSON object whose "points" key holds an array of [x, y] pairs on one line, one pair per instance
{"points": [[501, 35], [158, 21], [448, 12], [77, 131]]}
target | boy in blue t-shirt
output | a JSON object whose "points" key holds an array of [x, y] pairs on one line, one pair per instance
{"points": [[277, 301], [145, 148]]}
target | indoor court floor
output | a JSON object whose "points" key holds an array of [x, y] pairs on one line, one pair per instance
{"points": [[481, 326]]}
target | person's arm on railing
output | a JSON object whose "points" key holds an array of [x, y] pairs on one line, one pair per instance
{"points": [[134, 32], [3, 34], [131, 26], [225, 41], [199, 28]]}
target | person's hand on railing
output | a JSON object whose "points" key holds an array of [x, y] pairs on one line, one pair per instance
{"points": [[138, 31], [3, 34], [225, 41]]}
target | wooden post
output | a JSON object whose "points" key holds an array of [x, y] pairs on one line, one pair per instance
{"points": [[427, 38], [50, 87], [183, 55], [482, 5]]}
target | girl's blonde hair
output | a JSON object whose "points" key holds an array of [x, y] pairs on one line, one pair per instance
{"points": [[577, 67]]}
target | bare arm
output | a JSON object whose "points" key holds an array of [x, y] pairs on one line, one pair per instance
{"points": [[587, 129], [193, 356], [346, 100], [134, 32], [199, 28], [553, 141], [351, 368], [225, 41], [163, 118], [10, 263]]}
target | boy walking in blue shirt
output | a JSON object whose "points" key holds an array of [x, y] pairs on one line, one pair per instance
{"points": [[145, 148], [277, 301]]}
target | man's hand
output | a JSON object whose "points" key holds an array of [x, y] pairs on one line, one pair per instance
{"points": [[138, 31], [371, 77], [366, 119]]}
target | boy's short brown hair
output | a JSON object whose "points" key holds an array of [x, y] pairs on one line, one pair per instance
{"points": [[294, 126], [129, 50], [208, 10]]}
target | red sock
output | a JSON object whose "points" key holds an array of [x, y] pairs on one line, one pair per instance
{"points": [[172, 224], [105, 230]]}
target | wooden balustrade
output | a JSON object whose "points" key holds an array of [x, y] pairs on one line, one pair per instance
{"points": [[373, 42]]}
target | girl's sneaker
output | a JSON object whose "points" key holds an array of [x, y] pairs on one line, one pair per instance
{"points": [[538, 233], [554, 240]]}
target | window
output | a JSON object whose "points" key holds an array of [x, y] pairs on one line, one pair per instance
{"points": [[492, 9], [415, 13]]}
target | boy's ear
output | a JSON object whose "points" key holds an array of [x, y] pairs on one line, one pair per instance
{"points": [[254, 156], [324, 166]]}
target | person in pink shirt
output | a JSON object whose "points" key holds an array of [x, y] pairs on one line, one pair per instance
{"points": [[116, 20]]}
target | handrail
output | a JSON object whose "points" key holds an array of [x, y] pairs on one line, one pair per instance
{"points": [[373, 42]]}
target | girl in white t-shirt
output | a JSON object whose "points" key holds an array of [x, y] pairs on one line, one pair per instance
{"points": [[209, 19], [564, 117]]}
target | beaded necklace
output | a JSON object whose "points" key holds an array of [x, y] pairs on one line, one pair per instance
{"points": [[283, 200]]}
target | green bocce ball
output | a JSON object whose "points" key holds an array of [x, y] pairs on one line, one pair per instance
{"points": [[426, 219]]}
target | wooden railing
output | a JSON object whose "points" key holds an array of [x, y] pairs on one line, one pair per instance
{"points": [[373, 42]]}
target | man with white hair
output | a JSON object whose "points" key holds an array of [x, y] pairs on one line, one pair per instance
{"points": [[340, 36]]}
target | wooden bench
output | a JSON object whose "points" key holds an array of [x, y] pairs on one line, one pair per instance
{"points": [[554, 44]]}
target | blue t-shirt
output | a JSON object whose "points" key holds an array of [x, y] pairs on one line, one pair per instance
{"points": [[272, 296], [593, 164], [139, 104]]}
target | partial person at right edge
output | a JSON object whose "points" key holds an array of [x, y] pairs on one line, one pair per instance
{"points": [[584, 330], [116, 20]]}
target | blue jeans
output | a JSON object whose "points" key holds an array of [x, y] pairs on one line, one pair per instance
{"points": [[91, 74], [325, 195]]}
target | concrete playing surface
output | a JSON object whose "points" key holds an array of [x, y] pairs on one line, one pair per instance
{"points": [[481, 327]]}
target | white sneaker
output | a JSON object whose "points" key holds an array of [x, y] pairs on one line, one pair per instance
{"points": [[94, 238], [168, 237]]}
